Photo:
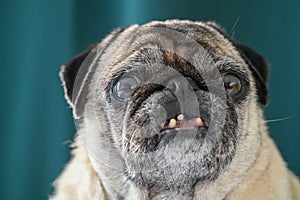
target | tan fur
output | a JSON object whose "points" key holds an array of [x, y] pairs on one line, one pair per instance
{"points": [[269, 178], [79, 180]]}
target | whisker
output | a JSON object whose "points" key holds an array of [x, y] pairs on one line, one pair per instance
{"points": [[67, 142], [279, 119], [232, 32]]}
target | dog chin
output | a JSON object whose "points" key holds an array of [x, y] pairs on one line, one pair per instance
{"points": [[182, 160]]}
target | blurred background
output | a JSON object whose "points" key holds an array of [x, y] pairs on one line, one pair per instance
{"points": [[37, 36]]}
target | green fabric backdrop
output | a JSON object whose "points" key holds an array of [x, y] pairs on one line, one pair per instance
{"points": [[38, 36]]}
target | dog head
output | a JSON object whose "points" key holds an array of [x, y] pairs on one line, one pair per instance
{"points": [[166, 104]]}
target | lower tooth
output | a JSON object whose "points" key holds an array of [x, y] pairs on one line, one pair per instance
{"points": [[172, 123], [199, 121], [180, 117]]}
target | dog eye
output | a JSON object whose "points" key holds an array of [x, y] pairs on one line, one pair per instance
{"points": [[124, 87], [232, 84]]}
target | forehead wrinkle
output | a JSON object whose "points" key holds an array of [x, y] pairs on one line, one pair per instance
{"points": [[112, 74], [147, 41], [201, 32], [206, 42], [132, 62], [214, 42]]}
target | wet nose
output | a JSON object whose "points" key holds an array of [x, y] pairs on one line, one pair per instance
{"points": [[182, 87], [186, 100]]}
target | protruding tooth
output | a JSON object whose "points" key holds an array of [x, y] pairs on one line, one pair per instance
{"points": [[180, 117], [199, 121], [172, 123]]}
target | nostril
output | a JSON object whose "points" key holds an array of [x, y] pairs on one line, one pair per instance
{"points": [[173, 85], [181, 83]]}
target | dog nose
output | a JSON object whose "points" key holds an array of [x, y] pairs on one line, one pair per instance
{"points": [[182, 87], [184, 99]]}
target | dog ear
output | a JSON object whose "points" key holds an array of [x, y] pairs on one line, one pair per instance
{"points": [[75, 74], [260, 70], [69, 72]]}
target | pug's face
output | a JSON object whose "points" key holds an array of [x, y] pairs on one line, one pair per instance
{"points": [[172, 99]]}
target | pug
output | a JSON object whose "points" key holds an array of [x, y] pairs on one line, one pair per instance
{"points": [[171, 110]]}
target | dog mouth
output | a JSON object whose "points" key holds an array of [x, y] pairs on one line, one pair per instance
{"points": [[180, 123]]}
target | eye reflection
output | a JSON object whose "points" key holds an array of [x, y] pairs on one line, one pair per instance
{"points": [[232, 84], [124, 87]]}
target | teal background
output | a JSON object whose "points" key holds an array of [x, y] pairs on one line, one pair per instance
{"points": [[37, 36]]}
